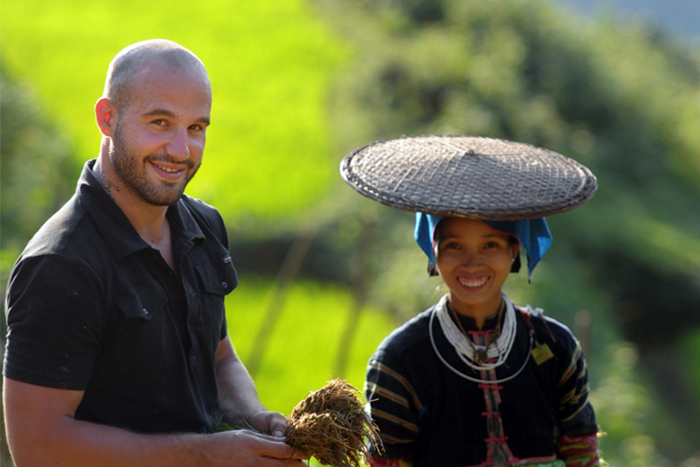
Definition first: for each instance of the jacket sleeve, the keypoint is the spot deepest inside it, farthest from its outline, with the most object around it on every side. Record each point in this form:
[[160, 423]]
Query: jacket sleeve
[[394, 407], [578, 444]]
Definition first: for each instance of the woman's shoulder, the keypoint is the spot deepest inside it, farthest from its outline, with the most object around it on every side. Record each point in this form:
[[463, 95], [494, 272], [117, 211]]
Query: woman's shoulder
[[548, 329], [412, 334]]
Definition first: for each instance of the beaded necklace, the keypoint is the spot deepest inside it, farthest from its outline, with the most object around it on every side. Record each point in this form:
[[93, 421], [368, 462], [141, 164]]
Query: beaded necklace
[[466, 350]]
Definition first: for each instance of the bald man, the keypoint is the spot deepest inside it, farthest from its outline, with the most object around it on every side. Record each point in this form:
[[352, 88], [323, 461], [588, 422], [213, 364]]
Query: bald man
[[117, 350]]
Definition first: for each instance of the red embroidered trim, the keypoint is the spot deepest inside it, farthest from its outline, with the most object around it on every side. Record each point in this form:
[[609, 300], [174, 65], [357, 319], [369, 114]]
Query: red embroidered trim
[[377, 462], [573, 448], [493, 387], [500, 439]]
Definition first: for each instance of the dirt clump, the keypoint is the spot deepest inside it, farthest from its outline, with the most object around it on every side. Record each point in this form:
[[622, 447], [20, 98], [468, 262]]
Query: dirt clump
[[331, 425]]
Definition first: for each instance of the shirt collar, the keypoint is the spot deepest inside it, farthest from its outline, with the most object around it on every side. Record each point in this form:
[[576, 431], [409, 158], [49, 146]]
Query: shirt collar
[[115, 228]]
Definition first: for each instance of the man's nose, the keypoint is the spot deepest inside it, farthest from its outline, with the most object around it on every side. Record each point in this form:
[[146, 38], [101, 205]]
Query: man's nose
[[178, 146]]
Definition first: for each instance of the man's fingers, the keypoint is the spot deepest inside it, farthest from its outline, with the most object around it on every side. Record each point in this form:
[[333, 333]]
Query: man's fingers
[[299, 454]]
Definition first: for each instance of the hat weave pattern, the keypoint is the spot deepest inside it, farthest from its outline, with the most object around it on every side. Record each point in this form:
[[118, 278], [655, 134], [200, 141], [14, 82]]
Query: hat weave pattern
[[468, 176]]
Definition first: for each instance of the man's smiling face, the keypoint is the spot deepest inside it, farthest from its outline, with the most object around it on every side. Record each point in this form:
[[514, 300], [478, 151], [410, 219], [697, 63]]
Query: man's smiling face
[[159, 139]]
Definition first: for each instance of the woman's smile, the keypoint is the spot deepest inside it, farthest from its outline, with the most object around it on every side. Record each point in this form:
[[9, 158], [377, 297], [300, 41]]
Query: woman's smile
[[473, 282], [474, 261]]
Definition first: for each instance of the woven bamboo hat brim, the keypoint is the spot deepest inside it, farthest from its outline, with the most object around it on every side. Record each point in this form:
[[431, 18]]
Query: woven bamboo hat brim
[[467, 176]]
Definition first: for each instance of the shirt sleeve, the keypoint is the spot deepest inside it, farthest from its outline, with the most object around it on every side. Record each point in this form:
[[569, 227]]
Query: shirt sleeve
[[54, 318]]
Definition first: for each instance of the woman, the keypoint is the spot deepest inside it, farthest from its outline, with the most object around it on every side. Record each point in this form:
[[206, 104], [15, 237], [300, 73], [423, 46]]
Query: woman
[[475, 380]]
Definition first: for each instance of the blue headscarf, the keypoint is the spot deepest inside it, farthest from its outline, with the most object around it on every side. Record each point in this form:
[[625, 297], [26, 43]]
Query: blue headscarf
[[533, 234]]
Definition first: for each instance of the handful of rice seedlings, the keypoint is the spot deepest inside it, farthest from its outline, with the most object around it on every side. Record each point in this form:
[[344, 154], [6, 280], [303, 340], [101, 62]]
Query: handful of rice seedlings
[[331, 425]]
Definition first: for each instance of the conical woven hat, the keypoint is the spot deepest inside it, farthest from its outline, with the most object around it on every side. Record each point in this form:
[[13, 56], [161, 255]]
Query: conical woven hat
[[467, 176]]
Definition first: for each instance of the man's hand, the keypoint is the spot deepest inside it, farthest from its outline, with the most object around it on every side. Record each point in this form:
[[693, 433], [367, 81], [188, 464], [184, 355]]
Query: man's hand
[[248, 448], [270, 422], [238, 397]]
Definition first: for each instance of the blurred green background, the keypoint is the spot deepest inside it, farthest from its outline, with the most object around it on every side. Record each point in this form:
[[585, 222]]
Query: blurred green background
[[326, 274]]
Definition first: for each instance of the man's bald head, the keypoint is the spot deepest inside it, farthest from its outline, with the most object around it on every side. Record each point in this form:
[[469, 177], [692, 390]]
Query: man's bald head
[[130, 61]]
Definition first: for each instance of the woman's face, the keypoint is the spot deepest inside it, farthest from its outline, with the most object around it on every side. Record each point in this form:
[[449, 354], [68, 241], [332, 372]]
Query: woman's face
[[473, 260]]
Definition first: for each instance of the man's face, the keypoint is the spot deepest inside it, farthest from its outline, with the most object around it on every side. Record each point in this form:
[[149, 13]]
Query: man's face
[[158, 142]]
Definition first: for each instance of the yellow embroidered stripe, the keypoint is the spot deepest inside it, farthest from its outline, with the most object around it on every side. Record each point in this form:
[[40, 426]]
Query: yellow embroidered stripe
[[387, 394], [388, 371], [394, 419]]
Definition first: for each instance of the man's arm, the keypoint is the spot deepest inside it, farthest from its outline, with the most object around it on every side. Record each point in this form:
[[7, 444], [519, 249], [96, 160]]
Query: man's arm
[[42, 430], [238, 397]]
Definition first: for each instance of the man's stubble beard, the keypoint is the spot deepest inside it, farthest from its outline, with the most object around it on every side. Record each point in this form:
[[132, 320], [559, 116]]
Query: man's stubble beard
[[132, 171]]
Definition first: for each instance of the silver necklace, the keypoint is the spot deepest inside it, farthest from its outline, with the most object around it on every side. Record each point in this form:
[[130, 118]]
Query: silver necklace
[[501, 351]]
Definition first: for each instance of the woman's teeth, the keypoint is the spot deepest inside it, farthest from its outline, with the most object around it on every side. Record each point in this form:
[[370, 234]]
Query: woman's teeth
[[473, 281]]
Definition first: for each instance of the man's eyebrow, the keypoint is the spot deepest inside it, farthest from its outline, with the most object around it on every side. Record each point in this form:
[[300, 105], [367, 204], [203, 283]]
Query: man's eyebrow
[[170, 114], [159, 112]]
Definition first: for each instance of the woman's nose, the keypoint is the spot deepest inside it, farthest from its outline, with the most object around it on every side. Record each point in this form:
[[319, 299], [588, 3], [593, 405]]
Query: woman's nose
[[471, 259]]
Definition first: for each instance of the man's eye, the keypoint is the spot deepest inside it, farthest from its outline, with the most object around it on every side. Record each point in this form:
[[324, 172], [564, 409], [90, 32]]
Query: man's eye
[[159, 122]]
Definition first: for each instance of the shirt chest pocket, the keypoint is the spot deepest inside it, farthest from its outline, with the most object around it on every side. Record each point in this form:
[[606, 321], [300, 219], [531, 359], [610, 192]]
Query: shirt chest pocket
[[216, 279], [140, 301], [142, 335]]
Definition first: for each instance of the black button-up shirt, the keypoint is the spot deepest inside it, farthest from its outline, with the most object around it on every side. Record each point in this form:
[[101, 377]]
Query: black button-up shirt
[[91, 306]]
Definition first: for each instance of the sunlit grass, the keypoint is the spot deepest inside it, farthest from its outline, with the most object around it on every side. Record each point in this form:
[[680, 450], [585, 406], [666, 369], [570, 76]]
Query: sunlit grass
[[305, 343]]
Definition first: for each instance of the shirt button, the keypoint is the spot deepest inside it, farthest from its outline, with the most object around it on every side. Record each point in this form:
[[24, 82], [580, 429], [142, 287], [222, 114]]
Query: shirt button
[[145, 311]]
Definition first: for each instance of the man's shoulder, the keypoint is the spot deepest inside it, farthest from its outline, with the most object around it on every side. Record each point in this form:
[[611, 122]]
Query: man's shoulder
[[66, 248], [67, 231], [202, 211], [206, 216], [200, 206]]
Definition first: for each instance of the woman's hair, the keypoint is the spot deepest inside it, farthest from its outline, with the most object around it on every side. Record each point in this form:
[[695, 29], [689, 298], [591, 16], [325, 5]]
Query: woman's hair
[[512, 239]]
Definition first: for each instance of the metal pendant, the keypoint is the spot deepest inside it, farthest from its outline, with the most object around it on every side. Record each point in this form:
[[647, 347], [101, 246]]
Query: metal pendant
[[481, 355]]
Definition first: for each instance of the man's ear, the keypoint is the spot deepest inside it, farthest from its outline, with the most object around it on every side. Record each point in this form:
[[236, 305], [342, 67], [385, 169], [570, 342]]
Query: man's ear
[[106, 115]]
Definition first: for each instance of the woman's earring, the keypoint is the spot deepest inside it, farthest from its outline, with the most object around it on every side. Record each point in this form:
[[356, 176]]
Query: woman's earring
[[515, 263]]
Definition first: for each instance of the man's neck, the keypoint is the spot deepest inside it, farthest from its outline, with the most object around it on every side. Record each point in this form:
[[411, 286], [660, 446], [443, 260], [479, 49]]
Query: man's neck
[[149, 221]]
